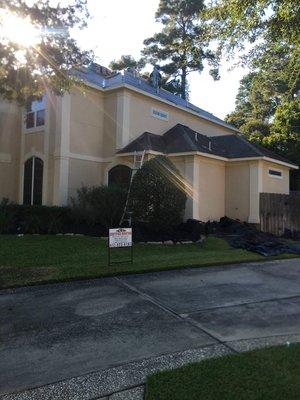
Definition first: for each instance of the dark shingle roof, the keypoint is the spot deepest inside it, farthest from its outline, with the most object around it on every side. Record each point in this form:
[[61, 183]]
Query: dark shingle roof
[[237, 146], [181, 139], [147, 141]]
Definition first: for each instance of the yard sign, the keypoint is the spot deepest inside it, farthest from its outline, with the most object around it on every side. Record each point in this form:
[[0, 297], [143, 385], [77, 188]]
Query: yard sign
[[119, 237]]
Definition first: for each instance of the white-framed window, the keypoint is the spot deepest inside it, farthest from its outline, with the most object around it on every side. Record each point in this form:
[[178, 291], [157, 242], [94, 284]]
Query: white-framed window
[[275, 173], [35, 114], [160, 114]]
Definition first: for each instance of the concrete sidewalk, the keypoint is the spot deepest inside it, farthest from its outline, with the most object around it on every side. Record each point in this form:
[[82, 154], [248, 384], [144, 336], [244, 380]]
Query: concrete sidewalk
[[98, 338]]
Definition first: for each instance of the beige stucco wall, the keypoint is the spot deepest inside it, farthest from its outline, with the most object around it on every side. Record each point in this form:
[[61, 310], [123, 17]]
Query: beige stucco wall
[[141, 119], [86, 122], [211, 199], [273, 184], [34, 142], [108, 144], [245, 181], [237, 188], [10, 135], [205, 186], [84, 173]]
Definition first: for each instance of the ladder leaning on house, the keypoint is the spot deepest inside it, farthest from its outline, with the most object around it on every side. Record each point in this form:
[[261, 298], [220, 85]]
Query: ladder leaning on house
[[138, 161]]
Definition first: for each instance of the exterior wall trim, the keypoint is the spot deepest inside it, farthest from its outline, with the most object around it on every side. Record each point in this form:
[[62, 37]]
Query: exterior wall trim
[[123, 111], [269, 159], [85, 157], [256, 187], [192, 153], [5, 158], [114, 163], [152, 152], [198, 153], [61, 153]]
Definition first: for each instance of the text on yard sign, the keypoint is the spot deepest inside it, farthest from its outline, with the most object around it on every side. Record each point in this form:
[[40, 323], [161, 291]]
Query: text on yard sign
[[120, 237]]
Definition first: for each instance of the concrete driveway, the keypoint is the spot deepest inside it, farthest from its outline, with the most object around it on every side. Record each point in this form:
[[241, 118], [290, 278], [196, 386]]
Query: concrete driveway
[[54, 333]]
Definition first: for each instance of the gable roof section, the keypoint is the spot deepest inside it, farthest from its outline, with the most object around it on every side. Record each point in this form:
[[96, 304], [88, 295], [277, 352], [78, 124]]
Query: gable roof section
[[182, 139], [104, 82]]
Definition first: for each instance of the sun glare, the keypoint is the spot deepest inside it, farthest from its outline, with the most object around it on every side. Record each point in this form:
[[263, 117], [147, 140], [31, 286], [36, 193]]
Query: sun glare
[[18, 30]]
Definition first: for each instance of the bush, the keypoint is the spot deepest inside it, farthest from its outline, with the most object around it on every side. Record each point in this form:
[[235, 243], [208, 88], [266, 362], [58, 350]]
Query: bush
[[16, 218], [102, 205], [93, 211], [157, 196]]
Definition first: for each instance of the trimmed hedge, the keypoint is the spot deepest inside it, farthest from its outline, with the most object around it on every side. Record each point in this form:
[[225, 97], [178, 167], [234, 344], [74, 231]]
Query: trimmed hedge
[[99, 205], [16, 218], [92, 212], [20, 219]]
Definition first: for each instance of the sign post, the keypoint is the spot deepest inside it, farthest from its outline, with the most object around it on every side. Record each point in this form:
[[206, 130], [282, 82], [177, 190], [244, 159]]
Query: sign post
[[120, 238]]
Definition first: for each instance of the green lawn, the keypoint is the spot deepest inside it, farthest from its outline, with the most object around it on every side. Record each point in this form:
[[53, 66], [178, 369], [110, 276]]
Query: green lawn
[[34, 259], [268, 374]]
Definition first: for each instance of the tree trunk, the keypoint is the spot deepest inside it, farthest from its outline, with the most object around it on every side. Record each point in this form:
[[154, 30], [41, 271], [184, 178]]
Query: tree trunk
[[183, 82]]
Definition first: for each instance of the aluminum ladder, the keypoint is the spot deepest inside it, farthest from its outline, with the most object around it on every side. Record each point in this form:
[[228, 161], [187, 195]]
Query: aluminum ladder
[[138, 161]]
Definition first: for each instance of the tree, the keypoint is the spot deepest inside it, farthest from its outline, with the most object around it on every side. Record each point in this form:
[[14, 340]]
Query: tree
[[158, 195], [182, 44], [125, 62], [36, 50], [284, 136], [267, 105], [128, 62], [266, 21], [263, 94]]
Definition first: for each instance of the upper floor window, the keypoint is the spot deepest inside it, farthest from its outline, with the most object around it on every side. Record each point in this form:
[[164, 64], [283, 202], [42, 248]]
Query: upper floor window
[[276, 173], [35, 113], [160, 114]]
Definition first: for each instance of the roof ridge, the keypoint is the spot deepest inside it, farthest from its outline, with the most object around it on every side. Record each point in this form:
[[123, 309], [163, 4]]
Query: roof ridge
[[148, 140], [188, 137]]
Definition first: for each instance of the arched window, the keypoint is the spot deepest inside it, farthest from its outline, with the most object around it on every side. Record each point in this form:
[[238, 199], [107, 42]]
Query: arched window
[[33, 181], [119, 175]]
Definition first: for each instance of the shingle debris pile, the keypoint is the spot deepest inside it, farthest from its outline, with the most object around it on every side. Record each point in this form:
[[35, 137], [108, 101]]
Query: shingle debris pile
[[244, 236]]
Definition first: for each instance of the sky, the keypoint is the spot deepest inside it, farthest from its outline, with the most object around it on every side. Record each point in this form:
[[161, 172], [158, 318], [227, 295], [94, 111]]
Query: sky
[[119, 27]]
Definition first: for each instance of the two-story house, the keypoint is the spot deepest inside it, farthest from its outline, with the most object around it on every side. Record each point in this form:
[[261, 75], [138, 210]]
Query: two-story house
[[89, 137]]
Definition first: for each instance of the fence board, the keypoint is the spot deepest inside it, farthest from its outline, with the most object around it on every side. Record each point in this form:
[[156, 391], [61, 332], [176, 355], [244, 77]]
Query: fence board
[[279, 212]]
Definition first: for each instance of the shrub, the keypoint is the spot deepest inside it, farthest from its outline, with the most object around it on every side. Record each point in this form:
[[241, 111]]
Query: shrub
[[7, 216], [157, 196], [101, 205], [16, 218]]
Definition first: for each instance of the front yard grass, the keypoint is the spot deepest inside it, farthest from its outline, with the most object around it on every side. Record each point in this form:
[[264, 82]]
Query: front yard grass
[[268, 374], [33, 259]]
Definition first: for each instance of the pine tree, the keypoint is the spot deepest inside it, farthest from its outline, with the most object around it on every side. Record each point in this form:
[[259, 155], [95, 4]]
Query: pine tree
[[182, 46]]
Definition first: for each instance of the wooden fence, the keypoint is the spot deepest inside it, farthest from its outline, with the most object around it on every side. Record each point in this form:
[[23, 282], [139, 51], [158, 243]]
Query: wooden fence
[[279, 212]]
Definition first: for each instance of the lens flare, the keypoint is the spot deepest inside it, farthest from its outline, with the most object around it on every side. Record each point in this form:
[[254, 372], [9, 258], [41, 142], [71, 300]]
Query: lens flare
[[18, 30]]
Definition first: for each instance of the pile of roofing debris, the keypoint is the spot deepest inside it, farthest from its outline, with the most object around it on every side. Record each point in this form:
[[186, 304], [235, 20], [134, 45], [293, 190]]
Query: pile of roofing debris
[[243, 236], [238, 235]]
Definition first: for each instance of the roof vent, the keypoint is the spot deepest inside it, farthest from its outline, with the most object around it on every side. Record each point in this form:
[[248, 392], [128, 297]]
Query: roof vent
[[209, 145], [196, 136]]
